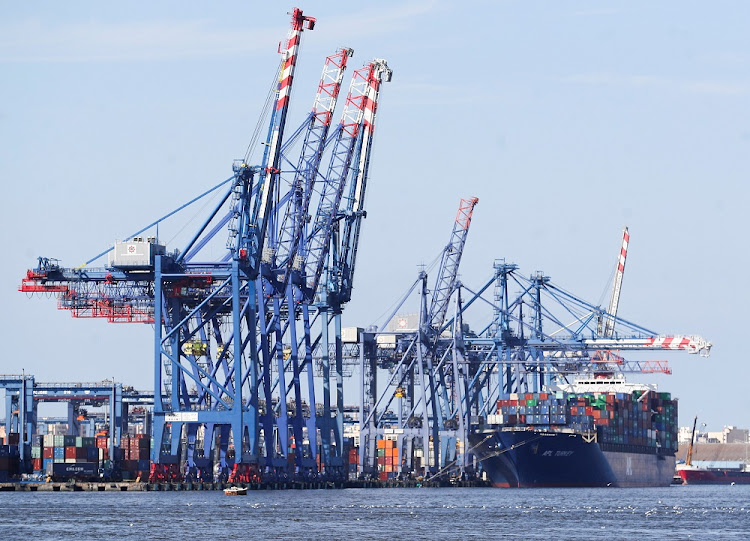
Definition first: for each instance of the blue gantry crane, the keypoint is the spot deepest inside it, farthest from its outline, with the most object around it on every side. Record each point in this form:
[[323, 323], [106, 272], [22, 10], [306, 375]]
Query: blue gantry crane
[[422, 375], [23, 394], [226, 330], [442, 378]]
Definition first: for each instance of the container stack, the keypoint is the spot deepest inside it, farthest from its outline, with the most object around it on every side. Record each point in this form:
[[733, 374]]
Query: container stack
[[9, 457], [136, 451], [353, 460], [641, 418], [49, 452], [388, 459]]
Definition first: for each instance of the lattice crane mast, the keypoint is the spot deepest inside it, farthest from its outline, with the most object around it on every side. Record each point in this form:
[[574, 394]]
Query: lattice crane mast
[[354, 135], [606, 322], [421, 377], [377, 73], [449, 263], [287, 257], [252, 230]]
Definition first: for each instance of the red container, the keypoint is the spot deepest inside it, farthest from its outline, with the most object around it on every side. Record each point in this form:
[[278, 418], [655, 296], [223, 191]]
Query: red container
[[36, 464], [102, 442], [140, 443], [48, 452], [76, 452]]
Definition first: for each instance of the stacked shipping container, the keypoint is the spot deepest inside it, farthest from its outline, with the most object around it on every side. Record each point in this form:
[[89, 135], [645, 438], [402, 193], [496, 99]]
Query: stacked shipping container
[[388, 459], [641, 418], [9, 457], [136, 455]]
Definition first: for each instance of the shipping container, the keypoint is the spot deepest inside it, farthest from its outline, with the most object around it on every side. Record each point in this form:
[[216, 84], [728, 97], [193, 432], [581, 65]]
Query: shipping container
[[83, 470]]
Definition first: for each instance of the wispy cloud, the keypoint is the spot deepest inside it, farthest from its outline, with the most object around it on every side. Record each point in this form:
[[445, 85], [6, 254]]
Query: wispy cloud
[[378, 22], [37, 41], [596, 12], [649, 81]]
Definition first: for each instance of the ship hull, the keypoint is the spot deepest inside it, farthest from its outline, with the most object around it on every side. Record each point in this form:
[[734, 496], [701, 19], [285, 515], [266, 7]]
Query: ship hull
[[539, 458], [713, 477]]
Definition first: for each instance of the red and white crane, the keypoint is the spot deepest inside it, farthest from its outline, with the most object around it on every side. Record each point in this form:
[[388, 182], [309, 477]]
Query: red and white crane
[[606, 324]]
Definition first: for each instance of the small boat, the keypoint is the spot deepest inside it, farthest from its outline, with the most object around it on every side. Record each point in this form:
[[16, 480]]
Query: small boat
[[235, 491], [725, 473]]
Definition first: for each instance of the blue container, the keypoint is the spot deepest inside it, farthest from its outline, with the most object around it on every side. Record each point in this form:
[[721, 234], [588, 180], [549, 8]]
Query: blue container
[[59, 452], [92, 454], [144, 465]]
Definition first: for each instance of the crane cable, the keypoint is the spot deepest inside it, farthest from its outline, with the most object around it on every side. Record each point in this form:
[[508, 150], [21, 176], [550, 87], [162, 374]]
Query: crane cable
[[491, 455], [270, 99]]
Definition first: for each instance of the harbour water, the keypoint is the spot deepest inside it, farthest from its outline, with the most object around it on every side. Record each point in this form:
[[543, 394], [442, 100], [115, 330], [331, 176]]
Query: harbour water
[[676, 512]]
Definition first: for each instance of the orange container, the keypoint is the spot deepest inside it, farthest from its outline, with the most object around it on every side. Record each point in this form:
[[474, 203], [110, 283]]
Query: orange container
[[381, 444]]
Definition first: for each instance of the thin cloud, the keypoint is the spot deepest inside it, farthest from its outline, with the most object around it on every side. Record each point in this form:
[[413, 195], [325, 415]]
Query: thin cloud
[[354, 28], [596, 12], [36, 41], [648, 81]]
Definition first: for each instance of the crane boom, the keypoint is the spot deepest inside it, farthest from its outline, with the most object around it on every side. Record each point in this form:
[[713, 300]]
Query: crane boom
[[378, 73], [254, 231], [357, 117], [691, 344], [309, 161], [606, 323], [451, 259], [689, 457]]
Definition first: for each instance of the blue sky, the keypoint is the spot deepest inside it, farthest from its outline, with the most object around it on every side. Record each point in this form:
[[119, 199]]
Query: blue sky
[[569, 120]]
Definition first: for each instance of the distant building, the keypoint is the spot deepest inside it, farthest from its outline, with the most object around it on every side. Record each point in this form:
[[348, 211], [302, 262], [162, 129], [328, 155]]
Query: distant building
[[683, 434], [712, 437], [729, 434], [732, 434]]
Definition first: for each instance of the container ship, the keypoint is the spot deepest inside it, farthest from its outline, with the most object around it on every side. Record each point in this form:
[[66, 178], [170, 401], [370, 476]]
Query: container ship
[[593, 433]]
